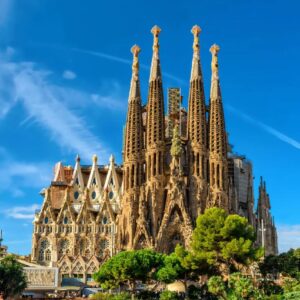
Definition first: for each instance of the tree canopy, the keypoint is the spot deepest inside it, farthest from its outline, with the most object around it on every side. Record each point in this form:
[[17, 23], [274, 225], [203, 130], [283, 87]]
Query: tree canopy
[[12, 277], [287, 263], [128, 267], [224, 241]]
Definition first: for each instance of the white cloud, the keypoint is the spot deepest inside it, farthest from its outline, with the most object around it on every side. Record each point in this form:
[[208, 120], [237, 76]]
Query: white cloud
[[69, 75], [288, 237], [16, 175], [48, 105], [127, 62], [22, 212], [274, 132]]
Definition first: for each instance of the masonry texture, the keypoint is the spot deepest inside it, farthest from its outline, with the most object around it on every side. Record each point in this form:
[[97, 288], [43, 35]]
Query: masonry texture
[[175, 165]]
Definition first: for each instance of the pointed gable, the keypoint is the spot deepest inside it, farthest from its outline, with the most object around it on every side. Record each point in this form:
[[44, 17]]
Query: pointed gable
[[66, 214], [59, 174], [94, 183], [77, 181]]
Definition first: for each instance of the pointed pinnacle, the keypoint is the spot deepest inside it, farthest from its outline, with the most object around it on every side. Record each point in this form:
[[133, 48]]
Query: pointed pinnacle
[[196, 31], [135, 50], [214, 49], [95, 159], [155, 31], [78, 158]]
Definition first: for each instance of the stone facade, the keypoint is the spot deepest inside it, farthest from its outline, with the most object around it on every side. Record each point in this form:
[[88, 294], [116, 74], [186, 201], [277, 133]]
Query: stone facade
[[174, 167], [76, 227]]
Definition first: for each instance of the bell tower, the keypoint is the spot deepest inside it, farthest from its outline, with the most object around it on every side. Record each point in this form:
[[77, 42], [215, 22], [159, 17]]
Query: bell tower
[[218, 168], [197, 133]]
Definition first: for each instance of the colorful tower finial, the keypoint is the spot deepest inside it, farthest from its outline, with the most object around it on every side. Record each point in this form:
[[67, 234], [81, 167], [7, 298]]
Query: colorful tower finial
[[196, 31], [155, 31], [214, 49], [135, 50]]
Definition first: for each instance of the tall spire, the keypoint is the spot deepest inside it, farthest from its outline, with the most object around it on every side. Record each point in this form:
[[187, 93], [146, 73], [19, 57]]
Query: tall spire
[[196, 111], [155, 137], [155, 72], [155, 107], [217, 139], [217, 133], [134, 135], [134, 93], [196, 68], [133, 158], [197, 131]]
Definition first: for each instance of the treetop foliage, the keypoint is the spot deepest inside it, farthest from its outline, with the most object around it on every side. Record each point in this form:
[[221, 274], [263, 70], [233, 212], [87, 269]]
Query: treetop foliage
[[12, 277]]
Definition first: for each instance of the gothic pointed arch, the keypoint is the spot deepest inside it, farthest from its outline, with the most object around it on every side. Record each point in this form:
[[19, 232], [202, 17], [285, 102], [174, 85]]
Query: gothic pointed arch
[[94, 182], [77, 182]]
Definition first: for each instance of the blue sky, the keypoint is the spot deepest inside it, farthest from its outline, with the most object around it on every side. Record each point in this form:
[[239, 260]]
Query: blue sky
[[64, 81]]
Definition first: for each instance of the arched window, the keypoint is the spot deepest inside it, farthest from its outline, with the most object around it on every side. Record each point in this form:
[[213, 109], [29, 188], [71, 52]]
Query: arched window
[[64, 247], [48, 255], [103, 246], [44, 246]]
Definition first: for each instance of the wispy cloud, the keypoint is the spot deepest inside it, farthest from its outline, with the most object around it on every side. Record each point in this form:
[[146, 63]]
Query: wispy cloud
[[69, 75], [126, 61], [288, 237], [16, 175], [22, 212], [47, 105], [274, 132]]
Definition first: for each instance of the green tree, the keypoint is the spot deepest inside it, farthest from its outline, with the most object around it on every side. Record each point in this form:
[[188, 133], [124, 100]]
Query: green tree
[[237, 287], [12, 277], [287, 263], [174, 266], [224, 241], [217, 287], [128, 267]]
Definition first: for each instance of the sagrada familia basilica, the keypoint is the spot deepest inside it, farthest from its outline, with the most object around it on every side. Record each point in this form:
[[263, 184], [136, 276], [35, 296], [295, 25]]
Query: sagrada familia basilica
[[175, 165]]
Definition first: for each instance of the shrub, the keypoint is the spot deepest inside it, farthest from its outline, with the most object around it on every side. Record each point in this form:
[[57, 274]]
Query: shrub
[[168, 295], [107, 296]]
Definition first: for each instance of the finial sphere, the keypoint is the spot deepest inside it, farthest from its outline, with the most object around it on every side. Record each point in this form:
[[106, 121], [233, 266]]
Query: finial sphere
[[155, 30], [196, 30], [214, 49], [135, 50]]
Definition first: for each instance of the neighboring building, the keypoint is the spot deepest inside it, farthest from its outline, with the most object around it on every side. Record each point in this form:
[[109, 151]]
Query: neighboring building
[[266, 229], [240, 172], [174, 167], [76, 226]]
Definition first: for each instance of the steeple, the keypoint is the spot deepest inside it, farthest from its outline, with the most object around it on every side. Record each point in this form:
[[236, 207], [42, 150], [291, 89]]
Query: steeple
[[217, 138], [197, 130], [155, 139], [134, 133], [133, 159], [155, 72], [217, 133], [155, 107], [196, 111]]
